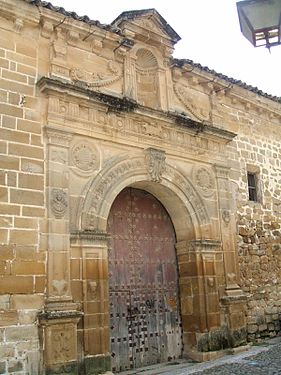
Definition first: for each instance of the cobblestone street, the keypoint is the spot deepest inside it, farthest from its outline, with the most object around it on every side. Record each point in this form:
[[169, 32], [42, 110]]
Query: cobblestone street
[[261, 359]]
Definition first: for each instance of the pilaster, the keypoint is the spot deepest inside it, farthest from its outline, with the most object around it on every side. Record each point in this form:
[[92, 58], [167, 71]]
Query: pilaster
[[228, 231], [94, 332], [234, 300], [58, 321], [200, 262]]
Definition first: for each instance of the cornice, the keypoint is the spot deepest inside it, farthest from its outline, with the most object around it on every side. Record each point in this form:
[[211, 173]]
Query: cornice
[[114, 103], [188, 66], [9, 10], [122, 104]]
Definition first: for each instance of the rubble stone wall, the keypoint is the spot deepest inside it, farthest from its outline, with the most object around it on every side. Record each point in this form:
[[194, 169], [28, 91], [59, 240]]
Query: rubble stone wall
[[256, 149]]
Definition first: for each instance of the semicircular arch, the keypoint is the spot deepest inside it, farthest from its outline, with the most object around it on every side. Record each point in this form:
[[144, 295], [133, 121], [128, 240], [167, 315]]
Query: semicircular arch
[[174, 191]]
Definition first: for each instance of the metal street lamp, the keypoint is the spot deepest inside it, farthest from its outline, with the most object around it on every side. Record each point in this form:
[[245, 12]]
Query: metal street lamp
[[260, 21]]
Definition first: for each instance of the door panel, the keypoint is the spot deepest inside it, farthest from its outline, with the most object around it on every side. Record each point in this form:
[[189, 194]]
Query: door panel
[[143, 282]]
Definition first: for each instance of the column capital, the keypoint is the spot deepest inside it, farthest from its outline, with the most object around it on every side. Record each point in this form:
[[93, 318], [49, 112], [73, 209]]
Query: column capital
[[88, 237], [222, 171]]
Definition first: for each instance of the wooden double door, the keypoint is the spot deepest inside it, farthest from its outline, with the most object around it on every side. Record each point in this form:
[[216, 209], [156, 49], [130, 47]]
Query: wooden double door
[[143, 282]]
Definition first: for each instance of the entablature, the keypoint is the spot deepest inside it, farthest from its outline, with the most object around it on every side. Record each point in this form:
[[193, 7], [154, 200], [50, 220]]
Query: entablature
[[85, 110]]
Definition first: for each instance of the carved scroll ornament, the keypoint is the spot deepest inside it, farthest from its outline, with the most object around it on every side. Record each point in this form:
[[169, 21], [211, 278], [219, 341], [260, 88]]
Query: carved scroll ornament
[[97, 79], [183, 95]]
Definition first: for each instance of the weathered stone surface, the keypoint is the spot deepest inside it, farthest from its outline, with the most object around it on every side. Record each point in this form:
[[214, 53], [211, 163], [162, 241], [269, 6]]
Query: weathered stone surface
[[105, 116]]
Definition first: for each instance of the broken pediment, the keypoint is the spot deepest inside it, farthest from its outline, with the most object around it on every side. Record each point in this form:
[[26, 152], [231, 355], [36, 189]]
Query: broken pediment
[[146, 25]]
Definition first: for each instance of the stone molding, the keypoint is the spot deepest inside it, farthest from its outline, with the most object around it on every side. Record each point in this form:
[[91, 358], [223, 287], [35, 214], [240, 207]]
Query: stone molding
[[123, 171], [199, 246], [88, 237], [123, 104]]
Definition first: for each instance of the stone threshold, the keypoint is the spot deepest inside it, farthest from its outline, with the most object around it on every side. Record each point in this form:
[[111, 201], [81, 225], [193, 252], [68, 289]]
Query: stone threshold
[[179, 364], [159, 368]]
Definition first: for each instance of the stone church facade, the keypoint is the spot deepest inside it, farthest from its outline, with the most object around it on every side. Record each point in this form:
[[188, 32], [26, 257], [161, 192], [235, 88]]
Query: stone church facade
[[140, 205]]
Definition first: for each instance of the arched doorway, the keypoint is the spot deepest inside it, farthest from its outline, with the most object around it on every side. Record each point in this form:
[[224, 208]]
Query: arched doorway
[[143, 282]]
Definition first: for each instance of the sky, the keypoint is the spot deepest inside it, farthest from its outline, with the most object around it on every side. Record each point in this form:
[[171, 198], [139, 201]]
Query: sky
[[210, 33]]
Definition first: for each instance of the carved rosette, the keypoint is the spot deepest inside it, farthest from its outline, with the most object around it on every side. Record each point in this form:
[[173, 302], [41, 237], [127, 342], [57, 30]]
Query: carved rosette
[[97, 79], [156, 163], [84, 157], [204, 181], [58, 202]]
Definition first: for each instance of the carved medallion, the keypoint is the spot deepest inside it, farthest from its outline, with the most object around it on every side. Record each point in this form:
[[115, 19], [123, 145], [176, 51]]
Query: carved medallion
[[205, 181], [58, 202], [84, 157], [156, 165]]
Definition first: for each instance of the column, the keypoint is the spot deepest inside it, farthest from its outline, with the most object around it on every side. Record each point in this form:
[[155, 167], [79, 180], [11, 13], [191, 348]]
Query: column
[[200, 270], [60, 317], [92, 248], [234, 300]]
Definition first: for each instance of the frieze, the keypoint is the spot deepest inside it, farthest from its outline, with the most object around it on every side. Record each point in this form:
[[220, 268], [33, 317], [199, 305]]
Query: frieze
[[96, 79], [155, 130], [58, 202]]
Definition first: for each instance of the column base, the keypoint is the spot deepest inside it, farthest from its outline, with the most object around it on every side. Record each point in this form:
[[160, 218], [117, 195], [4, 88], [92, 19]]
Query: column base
[[235, 314], [96, 365], [69, 369], [59, 341]]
